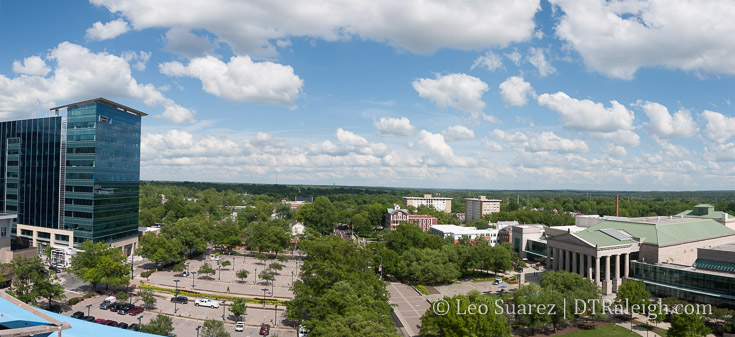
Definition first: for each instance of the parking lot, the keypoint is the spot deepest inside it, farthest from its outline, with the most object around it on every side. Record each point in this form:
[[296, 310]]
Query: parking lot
[[188, 316]]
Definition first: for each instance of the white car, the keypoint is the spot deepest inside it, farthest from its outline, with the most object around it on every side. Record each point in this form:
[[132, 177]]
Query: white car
[[240, 326], [303, 332], [207, 303]]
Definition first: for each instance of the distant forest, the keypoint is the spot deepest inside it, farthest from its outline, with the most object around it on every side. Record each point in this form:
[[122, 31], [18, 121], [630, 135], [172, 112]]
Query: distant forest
[[527, 206]]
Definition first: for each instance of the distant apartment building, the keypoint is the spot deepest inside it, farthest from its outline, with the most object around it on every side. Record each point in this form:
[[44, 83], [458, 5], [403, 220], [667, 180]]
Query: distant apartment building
[[74, 177], [440, 204], [475, 208], [396, 216]]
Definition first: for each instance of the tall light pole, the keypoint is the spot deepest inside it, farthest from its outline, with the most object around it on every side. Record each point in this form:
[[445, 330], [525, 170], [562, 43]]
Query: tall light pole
[[139, 318], [88, 306], [256, 276], [192, 278], [275, 314], [223, 310], [292, 278], [187, 267], [199, 327], [219, 277], [264, 290], [177, 287]]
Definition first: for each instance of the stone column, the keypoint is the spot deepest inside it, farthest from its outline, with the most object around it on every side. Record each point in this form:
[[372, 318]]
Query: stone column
[[626, 265], [555, 262], [548, 257], [607, 279], [607, 268], [589, 268], [574, 262], [569, 261], [597, 270], [617, 266]]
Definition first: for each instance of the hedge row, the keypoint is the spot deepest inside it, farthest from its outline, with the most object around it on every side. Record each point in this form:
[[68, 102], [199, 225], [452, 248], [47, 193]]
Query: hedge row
[[212, 296], [147, 273], [422, 289]]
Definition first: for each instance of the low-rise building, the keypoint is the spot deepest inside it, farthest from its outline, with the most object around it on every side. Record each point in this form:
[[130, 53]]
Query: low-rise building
[[459, 232], [476, 208], [440, 204], [396, 216]]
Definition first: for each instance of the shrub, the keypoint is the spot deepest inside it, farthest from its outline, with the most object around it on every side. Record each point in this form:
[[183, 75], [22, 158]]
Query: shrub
[[147, 273], [75, 300], [88, 295], [422, 289]]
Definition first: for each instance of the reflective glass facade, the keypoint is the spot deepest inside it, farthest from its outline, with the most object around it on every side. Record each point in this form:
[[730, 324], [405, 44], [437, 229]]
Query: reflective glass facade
[[102, 173], [686, 284], [30, 154], [80, 172]]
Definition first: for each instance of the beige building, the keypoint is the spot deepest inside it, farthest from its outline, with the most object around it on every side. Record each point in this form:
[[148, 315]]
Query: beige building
[[440, 204], [475, 208], [607, 251]]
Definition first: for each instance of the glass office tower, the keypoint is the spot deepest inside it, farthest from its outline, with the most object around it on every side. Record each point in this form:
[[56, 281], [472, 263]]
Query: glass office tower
[[77, 175]]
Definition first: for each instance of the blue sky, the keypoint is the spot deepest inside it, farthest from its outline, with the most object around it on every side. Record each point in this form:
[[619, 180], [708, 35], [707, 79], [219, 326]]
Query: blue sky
[[562, 94]]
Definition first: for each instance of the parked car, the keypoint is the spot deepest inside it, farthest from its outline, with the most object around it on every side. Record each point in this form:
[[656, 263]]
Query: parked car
[[105, 304], [115, 306], [78, 315], [303, 332], [185, 273], [240, 326], [179, 299], [134, 327], [124, 309], [265, 330], [123, 325], [103, 321], [207, 303], [135, 310], [89, 319], [111, 323], [498, 281]]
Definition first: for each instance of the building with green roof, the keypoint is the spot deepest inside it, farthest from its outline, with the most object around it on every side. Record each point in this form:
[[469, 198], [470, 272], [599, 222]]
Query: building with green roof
[[616, 249]]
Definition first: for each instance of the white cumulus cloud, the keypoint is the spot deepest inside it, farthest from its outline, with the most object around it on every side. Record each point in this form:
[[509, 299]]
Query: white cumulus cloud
[[537, 57], [458, 132], [351, 139], [662, 124], [421, 26], [616, 38], [587, 115], [388, 126], [458, 91], [33, 65], [241, 79], [105, 31], [489, 61], [548, 141], [80, 74], [719, 127], [514, 91]]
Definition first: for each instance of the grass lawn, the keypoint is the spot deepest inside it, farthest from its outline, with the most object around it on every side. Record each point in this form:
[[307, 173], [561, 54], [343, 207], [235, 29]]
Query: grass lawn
[[609, 330]]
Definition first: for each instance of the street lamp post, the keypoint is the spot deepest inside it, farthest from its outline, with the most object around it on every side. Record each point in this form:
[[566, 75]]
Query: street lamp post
[[292, 278], [256, 276], [175, 308], [187, 267], [264, 290], [139, 318], [223, 310], [199, 327], [275, 313], [219, 277], [88, 306], [192, 278], [177, 287]]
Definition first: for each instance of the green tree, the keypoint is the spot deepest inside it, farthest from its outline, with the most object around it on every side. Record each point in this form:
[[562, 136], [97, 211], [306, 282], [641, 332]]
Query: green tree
[[407, 236], [160, 325], [206, 269], [30, 281], [123, 296], [242, 274], [634, 292], [262, 257], [688, 325], [238, 308], [427, 266], [320, 216], [50, 289], [457, 324], [267, 275], [99, 263], [179, 267], [275, 266], [146, 295], [214, 328], [225, 263], [361, 223]]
